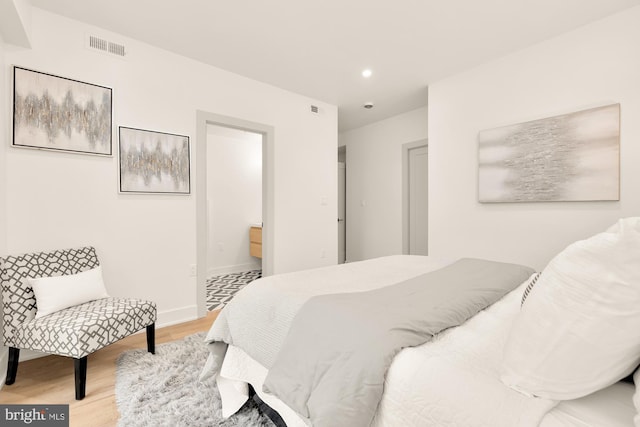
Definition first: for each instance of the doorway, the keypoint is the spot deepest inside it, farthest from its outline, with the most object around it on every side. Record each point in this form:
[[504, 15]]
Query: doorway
[[234, 212], [234, 199], [415, 167], [203, 209]]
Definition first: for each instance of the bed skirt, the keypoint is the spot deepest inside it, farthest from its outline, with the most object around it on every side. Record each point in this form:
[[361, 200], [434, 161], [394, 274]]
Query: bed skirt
[[239, 371]]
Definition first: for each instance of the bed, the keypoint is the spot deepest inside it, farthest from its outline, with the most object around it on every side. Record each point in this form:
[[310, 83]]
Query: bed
[[454, 379]]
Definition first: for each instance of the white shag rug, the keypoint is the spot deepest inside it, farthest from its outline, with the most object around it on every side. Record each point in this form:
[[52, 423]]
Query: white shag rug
[[163, 389]]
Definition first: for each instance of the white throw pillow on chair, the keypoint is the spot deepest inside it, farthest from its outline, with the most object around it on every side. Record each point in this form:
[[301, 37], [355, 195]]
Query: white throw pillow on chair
[[59, 292]]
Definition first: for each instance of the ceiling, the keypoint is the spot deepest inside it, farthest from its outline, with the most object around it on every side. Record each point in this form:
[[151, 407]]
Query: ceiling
[[320, 48]]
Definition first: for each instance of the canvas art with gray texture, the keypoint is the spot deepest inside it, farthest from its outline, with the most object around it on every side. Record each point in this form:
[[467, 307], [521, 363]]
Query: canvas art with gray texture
[[572, 157], [154, 162], [56, 113]]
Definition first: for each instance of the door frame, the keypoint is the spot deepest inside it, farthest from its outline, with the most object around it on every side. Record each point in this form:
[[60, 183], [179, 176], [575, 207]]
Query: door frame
[[204, 118], [406, 148], [342, 165]]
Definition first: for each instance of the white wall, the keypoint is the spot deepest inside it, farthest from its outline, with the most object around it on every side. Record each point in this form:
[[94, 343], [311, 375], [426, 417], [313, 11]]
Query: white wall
[[374, 183], [5, 103], [234, 187], [4, 135], [595, 65], [147, 242]]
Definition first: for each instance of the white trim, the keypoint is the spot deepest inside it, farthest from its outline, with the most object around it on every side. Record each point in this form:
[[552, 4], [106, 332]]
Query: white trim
[[177, 315], [30, 355], [4, 358]]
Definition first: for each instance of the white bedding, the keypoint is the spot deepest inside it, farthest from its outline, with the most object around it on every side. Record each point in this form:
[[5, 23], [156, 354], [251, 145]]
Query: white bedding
[[610, 407], [275, 300], [463, 363], [452, 381]]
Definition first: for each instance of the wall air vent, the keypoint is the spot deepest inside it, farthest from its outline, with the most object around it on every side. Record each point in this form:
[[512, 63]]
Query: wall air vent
[[105, 46]]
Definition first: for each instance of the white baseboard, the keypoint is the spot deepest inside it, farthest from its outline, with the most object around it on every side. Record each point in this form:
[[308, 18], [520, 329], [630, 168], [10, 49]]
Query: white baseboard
[[4, 356], [165, 318], [177, 315], [238, 268], [31, 354]]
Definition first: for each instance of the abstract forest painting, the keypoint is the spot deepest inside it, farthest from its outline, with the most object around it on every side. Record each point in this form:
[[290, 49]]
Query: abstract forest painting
[[56, 113], [572, 157], [154, 162]]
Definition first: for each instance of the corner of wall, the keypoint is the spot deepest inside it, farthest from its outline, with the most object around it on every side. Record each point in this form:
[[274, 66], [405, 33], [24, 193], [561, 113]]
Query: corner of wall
[[15, 22]]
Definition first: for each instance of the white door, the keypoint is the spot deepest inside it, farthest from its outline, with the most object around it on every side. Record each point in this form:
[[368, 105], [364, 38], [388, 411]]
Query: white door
[[418, 191], [342, 198]]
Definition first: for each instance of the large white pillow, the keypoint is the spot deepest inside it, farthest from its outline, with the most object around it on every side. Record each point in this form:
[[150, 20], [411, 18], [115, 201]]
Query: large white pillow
[[578, 330], [60, 292]]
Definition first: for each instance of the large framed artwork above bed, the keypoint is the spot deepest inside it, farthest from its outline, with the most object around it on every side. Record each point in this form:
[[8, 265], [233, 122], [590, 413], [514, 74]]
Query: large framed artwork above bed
[[571, 157], [418, 341]]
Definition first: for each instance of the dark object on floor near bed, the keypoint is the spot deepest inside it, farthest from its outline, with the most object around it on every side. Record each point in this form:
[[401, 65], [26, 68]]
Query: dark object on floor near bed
[[271, 413], [75, 331]]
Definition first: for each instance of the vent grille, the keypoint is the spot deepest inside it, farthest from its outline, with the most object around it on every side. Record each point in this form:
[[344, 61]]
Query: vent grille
[[97, 43], [106, 46], [314, 109], [116, 49]]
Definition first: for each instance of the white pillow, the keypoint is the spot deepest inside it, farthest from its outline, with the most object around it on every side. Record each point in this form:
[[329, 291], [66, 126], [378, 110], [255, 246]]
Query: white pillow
[[60, 292], [636, 398], [577, 331]]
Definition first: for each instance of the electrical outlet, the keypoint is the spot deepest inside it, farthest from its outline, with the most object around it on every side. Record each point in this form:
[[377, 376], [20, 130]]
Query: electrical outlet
[[193, 270]]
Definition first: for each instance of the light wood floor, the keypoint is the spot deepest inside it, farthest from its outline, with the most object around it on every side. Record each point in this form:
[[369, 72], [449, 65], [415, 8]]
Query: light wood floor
[[50, 379]]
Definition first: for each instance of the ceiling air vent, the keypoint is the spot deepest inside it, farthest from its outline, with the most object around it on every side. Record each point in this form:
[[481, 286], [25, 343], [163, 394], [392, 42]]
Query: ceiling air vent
[[106, 46], [314, 109]]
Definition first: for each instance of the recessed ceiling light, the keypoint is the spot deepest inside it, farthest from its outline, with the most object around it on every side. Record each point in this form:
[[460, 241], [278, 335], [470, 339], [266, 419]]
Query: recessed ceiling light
[[367, 73], [368, 105]]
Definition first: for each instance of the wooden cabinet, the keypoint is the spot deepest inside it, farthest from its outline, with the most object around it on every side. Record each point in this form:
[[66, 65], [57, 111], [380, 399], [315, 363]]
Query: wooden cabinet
[[255, 242]]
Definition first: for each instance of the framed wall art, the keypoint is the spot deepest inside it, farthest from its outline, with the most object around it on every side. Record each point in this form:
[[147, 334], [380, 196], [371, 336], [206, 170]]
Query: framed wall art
[[153, 162], [57, 113], [571, 157]]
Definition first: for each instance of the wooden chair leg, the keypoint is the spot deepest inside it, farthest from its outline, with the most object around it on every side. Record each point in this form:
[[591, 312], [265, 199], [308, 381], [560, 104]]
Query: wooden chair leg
[[12, 367], [80, 367], [151, 338]]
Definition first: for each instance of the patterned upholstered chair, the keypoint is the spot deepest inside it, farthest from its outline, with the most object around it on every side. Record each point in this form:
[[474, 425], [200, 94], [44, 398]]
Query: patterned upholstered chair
[[76, 331]]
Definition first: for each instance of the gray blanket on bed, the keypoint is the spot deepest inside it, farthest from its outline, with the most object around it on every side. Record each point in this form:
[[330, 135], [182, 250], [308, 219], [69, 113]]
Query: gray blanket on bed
[[332, 366]]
